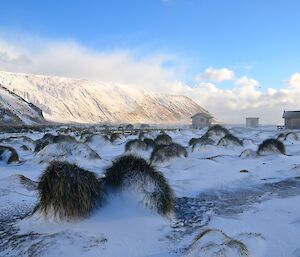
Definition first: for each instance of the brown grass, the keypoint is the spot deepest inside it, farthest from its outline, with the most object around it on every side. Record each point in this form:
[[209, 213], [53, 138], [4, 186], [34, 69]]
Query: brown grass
[[133, 173], [68, 191]]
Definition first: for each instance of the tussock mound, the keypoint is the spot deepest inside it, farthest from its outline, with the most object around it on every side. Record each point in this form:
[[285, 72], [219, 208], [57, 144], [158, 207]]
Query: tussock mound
[[218, 130], [163, 139], [193, 141], [136, 175], [129, 127], [85, 134], [149, 142], [66, 151], [281, 136], [67, 191], [230, 139], [248, 153], [20, 139], [204, 140], [18, 142], [135, 145], [144, 126], [28, 183], [50, 139], [8, 154], [25, 148], [97, 139], [270, 146], [214, 242], [114, 138], [163, 153], [291, 136], [142, 135]]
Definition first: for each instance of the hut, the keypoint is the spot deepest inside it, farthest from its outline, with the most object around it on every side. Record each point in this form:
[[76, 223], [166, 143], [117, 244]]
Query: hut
[[201, 120], [252, 122], [291, 119]]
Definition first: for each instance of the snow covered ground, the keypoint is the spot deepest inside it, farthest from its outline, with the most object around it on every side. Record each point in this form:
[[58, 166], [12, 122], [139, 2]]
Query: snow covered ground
[[255, 212]]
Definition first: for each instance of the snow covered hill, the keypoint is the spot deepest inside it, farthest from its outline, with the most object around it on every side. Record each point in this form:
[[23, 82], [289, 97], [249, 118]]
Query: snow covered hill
[[14, 110], [86, 101]]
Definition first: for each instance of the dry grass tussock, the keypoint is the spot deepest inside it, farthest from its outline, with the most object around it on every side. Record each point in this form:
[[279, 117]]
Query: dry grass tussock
[[162, 153], [135, 174], [68, 191], [271, 145], [13, 155]]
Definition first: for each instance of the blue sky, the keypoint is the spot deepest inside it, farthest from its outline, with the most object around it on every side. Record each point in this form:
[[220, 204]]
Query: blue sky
[[257, 38]]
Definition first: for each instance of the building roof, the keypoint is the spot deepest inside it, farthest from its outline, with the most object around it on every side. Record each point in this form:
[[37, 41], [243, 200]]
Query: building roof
[[203, 114], [256, 118], [291, 114]]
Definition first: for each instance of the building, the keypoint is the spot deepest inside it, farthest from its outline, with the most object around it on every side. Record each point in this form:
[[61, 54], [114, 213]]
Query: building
[[252, 122], [201, 120], [291, 119]]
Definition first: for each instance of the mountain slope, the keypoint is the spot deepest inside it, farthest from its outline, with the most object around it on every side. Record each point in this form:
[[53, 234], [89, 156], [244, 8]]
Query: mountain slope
[[14, 110], [79, 100]]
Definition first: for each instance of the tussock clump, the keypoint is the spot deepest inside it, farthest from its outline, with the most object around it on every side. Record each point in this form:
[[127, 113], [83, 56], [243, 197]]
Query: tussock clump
[[144, 126], [85, 134], [248, 153], [8, 154], [291, 136], [45, 140], [230, 139], [135, 174], [114, 137], [129, 127], [214, 242], [288, 136], [66, 151], [162, 153], [281, 136], [135, 144], [149, 142], [67, 191], [16, 138], [218, 130], [204, 140], [63, 138], [50, 139], [28, 183], [193, 141], [141, 135], [163, 139], [24, 148], [96, 138], [271, 146]]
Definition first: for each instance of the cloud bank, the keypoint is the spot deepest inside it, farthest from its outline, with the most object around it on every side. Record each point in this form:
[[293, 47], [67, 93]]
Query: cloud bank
[[216, 75], [231, 105]]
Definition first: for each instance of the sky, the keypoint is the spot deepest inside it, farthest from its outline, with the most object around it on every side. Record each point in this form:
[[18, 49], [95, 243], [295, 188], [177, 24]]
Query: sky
[[236, 58]]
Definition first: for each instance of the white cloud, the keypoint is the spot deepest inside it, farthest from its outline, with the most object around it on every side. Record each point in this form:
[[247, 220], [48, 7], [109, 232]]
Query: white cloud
[[294, 81], [244, 99], [216, 75], [66, 58]]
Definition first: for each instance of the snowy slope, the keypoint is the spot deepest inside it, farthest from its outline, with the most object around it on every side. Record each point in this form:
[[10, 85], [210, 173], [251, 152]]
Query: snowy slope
[[78, 100], [16, 111], [259, 208]]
